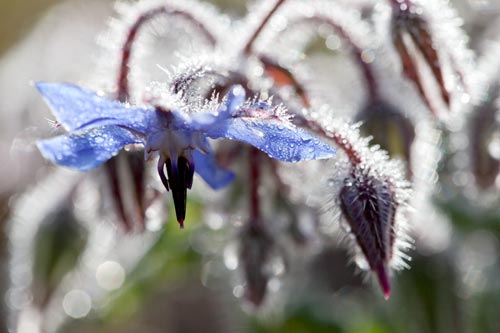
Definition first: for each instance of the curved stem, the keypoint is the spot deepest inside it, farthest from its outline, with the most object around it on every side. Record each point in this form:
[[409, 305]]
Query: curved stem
[[367, 70], [340, 140], [123, 83], [248, 47]]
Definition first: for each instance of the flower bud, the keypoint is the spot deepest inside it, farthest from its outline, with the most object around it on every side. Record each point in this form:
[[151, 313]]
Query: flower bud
[[255, 252], [59, 242], [369, 206], [485, 129]]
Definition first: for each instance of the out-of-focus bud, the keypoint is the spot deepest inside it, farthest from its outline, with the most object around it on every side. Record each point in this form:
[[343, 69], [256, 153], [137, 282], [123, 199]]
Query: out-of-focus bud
[[256, 250], [369, 205], [390, 129], [485, 143], [126, 174], [59, 242], [410, 26]]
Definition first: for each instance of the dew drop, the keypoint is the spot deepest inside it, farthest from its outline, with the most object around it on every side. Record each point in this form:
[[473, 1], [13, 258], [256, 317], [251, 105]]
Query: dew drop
[[77, 304], [306, 139]]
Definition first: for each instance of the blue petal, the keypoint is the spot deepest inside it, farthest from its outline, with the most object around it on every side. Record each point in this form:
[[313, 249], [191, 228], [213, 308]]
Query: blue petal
[[79, 109], [212, 174], [87, 150], [278, 139]]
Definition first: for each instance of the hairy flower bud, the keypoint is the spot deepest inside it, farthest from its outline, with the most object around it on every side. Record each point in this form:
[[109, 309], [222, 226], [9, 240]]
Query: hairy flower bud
[[255, 252], [415, 34], [59, 242], [484, 140], [369, 206]]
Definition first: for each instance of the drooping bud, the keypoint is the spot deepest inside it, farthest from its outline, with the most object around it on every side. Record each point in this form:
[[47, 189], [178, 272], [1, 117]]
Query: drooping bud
[[255, 252], [485, 141], [368, 204], [133, 167], [411, 30], [59, 242]]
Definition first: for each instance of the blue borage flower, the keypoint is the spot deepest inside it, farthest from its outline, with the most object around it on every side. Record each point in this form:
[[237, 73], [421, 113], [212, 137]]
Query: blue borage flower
[[99, 128]]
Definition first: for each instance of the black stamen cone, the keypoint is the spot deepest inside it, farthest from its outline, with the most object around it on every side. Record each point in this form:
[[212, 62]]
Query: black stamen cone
[[180, 178], [369, 206]]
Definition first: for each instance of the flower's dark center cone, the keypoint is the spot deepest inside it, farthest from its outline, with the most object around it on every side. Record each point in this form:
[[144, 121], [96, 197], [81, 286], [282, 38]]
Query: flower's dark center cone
[[368, 204], [180, 179]]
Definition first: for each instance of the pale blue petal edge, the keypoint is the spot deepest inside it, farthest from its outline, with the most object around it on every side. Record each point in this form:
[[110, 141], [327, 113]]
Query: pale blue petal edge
[[212, 174], [85, 151], [80, 109], [278, 139]]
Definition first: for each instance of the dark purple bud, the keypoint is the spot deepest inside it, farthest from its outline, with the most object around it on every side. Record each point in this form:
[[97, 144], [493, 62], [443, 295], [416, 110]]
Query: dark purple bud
[[255, 252], [133, 163], [368, 204], [407, 19], [58, 245], [389, 128], [180, 179], [483, 127]]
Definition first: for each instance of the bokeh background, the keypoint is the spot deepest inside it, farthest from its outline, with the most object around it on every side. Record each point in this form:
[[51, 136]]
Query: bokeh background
[[452, 286]]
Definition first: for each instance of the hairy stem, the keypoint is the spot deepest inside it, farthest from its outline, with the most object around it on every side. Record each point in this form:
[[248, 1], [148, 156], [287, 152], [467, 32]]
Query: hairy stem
[[340, 140], [254, 181], [249, 45], [366, 69], [123, 82]]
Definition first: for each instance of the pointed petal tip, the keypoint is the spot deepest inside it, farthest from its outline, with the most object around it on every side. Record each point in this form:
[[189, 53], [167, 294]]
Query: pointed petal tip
[[42, 86], [384, 280], [181, 223]]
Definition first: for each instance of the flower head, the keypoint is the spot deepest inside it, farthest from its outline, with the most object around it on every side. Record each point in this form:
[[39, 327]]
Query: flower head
[[99, 128]]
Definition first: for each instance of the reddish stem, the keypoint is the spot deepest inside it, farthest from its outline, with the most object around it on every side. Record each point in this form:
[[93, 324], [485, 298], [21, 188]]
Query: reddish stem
[[248, 47], [254, 175], [123, 82], [341, 140], [398, 3], [367, 70]]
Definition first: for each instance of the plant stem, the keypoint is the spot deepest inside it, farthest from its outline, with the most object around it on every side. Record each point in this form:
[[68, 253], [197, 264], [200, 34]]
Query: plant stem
[[254, 181], [341, 140], [123, 80], [367, 70], [398, 3], [248, 47]]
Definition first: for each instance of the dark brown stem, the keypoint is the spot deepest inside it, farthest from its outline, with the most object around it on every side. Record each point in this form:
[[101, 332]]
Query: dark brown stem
[[254, 181], [342, 141], [116, 193], [248, 47], [123, 82], [398, 3], [367, 70]]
